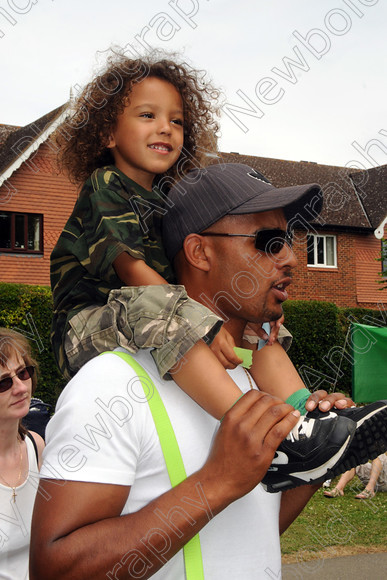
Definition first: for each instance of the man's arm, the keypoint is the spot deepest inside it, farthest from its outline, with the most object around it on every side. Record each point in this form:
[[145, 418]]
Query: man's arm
[[79, 533], [293, 502]]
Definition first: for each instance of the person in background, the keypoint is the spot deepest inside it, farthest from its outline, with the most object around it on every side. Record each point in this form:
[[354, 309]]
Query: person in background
[[373, 476], [20, 454]]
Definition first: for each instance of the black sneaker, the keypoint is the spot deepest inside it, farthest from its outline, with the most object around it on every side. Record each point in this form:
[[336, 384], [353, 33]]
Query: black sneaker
[[370, 438], [313, 448]]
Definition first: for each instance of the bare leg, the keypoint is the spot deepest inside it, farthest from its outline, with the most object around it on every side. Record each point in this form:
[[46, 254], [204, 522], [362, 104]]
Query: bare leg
[[274, 372], [205, 380], [340, 485], [201, 376], [345, 479], [374, 476]]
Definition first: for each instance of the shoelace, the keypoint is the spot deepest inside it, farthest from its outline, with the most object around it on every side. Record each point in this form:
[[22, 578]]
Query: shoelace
[[304, 427]]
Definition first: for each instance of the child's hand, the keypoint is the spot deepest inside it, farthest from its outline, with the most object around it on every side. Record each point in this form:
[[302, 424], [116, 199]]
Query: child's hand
[[223, 348], [275, 326], [257, 330]]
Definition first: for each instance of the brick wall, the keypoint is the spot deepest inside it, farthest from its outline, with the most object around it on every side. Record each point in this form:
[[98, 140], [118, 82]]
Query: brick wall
[[39, 189], [352, 283], [367, 271]]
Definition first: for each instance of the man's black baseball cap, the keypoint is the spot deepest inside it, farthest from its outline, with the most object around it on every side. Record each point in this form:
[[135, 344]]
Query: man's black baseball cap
[[206, 195]]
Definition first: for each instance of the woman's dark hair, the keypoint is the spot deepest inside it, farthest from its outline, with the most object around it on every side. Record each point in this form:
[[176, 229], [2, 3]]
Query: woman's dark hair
[[14, 343], [83, 137]]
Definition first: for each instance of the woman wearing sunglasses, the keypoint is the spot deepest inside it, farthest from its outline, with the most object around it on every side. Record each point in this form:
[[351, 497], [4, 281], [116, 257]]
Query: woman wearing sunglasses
[[20, 453]]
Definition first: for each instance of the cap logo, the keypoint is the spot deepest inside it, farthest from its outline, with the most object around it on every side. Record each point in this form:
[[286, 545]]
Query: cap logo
[[259, 177]]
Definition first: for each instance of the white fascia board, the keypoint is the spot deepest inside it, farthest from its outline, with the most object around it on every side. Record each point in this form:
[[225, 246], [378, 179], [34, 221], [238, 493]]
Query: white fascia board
[[379, 232]]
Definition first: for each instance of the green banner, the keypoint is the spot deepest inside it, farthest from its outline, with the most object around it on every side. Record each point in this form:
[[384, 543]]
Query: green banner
[[369, 370]]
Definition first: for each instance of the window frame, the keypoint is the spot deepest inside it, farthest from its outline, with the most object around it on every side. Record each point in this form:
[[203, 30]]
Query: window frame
[[26, 250], [315, 251]]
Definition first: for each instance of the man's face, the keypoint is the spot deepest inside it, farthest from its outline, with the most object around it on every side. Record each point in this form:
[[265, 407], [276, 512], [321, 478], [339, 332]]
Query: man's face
[[247, 283]]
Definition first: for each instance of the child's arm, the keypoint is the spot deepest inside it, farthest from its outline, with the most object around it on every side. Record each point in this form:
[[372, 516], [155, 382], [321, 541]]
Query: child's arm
[[200, 374]]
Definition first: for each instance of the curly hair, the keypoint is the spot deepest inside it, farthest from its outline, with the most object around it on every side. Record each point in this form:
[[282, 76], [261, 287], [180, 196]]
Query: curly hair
[[13, 343], [83, 137]]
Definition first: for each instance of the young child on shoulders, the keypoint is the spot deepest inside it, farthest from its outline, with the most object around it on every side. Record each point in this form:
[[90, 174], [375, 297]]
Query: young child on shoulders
[[133, 131]]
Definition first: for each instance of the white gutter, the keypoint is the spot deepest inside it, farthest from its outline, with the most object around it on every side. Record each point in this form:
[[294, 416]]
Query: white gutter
[[379, 232]]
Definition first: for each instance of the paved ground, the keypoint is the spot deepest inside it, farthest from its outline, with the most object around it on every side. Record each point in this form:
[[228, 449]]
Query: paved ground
[[360, 567]]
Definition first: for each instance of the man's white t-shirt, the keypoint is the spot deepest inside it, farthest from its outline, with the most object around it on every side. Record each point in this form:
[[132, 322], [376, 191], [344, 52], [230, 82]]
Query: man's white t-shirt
[[103, 431]]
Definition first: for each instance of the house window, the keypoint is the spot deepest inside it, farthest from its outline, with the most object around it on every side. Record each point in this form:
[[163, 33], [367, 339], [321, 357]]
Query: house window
[[321, 251], [21, 232]]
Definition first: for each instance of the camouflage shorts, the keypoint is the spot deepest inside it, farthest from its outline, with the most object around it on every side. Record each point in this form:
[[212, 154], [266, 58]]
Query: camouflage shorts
[[160, 317]]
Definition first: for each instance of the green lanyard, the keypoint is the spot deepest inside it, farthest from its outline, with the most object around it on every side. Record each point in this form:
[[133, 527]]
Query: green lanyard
[[175, 466]]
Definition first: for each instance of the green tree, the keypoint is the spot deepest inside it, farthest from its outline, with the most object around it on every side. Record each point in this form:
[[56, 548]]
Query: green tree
[[383, 260]]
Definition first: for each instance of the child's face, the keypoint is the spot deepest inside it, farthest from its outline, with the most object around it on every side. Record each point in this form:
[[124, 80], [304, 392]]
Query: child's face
[[148, 135]]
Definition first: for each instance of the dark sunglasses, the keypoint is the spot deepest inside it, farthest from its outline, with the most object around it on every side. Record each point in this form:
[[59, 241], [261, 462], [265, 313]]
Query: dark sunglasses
[[270, 241], [23, 375]]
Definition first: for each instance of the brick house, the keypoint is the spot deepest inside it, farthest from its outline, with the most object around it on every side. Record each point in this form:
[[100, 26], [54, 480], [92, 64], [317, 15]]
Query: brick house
[[337, 258], [35, 201]]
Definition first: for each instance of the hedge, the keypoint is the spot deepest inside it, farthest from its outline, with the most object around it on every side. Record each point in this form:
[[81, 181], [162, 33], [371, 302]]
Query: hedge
[[319, 350]]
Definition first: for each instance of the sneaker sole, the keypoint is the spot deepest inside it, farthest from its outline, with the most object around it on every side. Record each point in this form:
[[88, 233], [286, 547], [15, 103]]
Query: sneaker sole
[[274, 482], [370, 440]]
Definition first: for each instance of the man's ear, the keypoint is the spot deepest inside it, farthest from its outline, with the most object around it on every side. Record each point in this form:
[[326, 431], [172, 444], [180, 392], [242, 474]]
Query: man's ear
[[195, 249]]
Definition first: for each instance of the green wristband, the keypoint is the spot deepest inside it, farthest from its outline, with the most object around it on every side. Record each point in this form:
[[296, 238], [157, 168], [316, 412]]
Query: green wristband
[[298, 399]]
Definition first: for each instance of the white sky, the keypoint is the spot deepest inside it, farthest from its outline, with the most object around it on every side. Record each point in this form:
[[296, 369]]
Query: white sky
[[339, 98]]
